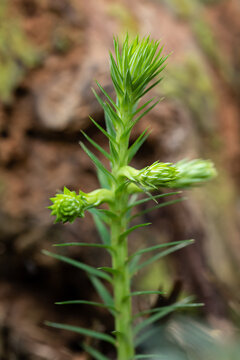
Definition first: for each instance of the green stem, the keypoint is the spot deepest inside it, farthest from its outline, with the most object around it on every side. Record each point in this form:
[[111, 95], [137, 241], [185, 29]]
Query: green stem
[[121, 283], [123, 328]]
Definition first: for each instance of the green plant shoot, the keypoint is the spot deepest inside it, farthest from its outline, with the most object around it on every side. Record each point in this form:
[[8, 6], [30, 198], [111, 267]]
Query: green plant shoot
[[135, 70]]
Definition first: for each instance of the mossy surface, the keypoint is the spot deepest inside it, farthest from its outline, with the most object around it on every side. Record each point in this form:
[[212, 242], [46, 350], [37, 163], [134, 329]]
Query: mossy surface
[[210, 2], [206, 40], [16, 53], [183, 8], [188, 8], [128, 21], [190, 83], [192, 11]]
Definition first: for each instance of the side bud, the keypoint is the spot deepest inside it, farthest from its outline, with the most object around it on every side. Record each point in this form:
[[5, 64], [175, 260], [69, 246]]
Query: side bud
[[193, 172], [67, 206], [151, 177], [157, 175]]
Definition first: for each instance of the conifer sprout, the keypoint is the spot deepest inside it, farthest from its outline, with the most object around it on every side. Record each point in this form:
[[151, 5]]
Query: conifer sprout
[[135, 70]]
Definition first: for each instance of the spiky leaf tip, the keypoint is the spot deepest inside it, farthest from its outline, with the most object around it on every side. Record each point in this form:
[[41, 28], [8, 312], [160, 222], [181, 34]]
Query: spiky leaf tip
[[135, 66]]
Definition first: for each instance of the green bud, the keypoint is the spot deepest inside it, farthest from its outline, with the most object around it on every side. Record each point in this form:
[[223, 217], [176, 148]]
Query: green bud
[[152, 177], [157, 175], [68, 206], [193, 172]]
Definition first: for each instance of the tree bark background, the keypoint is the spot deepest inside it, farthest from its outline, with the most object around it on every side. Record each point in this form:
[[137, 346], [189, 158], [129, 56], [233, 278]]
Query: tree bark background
[[42, 111]]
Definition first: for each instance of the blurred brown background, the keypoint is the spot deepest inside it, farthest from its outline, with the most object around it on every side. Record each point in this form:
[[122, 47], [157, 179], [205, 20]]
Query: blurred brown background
[[50, 53]]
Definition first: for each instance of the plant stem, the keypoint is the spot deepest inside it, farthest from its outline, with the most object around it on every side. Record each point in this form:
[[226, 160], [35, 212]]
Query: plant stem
[[123, 328], [121, 283]]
